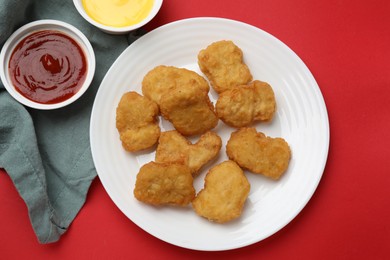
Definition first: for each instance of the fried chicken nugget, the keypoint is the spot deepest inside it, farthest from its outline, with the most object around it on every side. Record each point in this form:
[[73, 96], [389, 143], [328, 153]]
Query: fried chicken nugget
[[235, 107], [222, 63], [164, 184], [258, 153], [162, 79], [242, 105], [265, 102], [173, 147], [189, 110], [136, 121], [224, 194]]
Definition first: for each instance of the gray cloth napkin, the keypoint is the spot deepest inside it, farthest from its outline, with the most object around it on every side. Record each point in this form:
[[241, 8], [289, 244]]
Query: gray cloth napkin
[[47, 153]]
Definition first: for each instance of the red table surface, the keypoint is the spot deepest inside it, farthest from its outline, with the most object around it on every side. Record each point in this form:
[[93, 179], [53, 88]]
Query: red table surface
[[346, 45]]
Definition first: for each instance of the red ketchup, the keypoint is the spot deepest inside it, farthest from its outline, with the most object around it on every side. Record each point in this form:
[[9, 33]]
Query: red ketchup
[[48, 67]]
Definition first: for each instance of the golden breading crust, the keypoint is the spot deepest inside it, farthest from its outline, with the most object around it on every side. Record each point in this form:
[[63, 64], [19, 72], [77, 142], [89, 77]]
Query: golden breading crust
[[259, 154], [173, 147], [226, 189], [222, 63], [242, 105], [265, 102], [189, 110], [136, 121], [162, 79], [164, 184], [235, 107]]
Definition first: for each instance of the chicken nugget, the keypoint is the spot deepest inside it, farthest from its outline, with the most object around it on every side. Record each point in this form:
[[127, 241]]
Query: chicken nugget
[[222, 63], [235, 107], [258, 153], [242, 105], [173, 147], [162, 79], [265, 102], [136, 121], [164, 184], [225, 191], [189, 110]]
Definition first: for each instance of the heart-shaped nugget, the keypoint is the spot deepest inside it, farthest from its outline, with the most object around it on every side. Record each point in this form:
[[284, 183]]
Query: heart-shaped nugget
[[258, 153], [173, 147], [225, 191], [136, 121]]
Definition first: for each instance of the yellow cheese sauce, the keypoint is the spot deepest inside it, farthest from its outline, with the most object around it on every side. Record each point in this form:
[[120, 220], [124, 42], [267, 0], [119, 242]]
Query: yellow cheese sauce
[[118, 13]]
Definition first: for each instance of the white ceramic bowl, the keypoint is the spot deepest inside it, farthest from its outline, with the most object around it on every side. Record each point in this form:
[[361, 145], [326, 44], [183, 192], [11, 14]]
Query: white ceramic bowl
[[118, 30], [39, 25]]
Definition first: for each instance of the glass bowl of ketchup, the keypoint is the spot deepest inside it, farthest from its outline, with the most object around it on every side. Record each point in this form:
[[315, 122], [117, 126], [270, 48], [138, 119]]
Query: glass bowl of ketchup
[[47, 64], [120, 16]]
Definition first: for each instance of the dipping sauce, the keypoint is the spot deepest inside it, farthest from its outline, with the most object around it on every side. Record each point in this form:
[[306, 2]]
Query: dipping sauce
[[48, 67], [118, 13]]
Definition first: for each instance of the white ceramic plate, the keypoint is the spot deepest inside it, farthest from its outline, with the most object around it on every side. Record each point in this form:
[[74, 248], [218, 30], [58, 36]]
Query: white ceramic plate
[[301, 119]]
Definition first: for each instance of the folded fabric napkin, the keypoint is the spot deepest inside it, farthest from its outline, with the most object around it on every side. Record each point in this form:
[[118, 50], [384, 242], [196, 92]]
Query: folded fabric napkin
[[47, 153]]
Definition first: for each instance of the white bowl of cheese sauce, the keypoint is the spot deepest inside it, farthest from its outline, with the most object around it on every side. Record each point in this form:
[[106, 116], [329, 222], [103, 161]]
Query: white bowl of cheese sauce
[[118, 16]]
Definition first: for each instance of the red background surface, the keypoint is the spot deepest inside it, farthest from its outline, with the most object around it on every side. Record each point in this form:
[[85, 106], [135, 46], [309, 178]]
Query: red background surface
[[346, 45]]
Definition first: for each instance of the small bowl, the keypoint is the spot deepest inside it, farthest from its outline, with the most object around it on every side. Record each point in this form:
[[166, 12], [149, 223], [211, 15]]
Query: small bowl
[[118, 30], [39, 25]]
